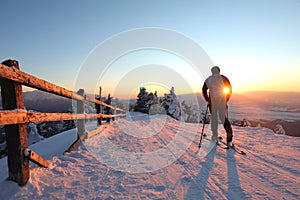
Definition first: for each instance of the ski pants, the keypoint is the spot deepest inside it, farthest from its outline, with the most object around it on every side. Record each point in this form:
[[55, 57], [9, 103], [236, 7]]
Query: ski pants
[[218, 110]]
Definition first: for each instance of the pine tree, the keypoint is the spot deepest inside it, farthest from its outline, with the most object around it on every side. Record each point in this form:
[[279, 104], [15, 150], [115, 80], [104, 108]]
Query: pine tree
[[142, 104]]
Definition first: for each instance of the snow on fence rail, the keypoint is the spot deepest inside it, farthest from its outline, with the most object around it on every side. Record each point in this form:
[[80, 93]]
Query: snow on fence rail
[[14, 116], [19, 116]]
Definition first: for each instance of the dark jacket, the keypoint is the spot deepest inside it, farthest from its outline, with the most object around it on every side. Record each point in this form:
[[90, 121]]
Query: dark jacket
[[226, 84]]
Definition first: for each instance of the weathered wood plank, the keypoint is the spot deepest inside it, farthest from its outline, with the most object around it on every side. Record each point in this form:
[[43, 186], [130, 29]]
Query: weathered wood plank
[[88, 135], [34, 82], [23, 78], [74, 145], [96, 131], [15, 117], [16, 135], [91, 99], [19, 117], [35, 158]]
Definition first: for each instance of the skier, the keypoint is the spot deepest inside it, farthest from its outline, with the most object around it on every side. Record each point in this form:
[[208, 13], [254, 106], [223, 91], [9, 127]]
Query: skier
[[217, 91]]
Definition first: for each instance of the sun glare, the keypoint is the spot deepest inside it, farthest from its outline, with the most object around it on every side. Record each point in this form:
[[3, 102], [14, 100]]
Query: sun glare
[[226, 90]]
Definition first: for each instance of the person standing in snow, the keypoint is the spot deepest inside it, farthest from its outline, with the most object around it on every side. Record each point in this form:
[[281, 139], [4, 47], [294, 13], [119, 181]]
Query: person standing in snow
[[217, 91]]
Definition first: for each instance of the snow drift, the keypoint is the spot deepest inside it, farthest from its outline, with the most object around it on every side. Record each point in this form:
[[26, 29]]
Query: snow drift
[[94, 171]]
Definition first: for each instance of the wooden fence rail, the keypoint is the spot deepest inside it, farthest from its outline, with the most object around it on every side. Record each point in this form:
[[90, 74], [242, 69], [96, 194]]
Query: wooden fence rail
[[14, 117], [14, 74], [22, 116]]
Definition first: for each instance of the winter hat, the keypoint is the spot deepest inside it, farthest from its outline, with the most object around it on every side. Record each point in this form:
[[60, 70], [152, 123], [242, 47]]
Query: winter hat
[[215, 70]]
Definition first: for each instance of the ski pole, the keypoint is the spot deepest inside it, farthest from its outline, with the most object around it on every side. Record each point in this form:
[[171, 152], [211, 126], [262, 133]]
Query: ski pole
[[204, 120]]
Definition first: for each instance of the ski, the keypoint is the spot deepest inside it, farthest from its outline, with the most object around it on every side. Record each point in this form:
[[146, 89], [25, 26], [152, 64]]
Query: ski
[[222, 145], [232, 146], [217, 143]]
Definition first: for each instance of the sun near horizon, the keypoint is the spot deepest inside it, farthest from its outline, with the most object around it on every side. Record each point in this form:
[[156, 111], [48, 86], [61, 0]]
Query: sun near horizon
[[162, 91]]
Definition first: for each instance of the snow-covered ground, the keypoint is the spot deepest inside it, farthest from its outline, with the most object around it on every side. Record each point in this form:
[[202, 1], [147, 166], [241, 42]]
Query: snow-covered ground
[[158, 158]]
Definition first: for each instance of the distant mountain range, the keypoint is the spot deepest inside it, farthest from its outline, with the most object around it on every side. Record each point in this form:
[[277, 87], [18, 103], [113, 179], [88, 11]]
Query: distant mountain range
[[45, 102], [265, 108], [286, 101]]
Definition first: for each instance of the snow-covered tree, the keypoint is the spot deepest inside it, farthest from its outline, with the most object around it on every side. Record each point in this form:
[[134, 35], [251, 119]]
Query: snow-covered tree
[[145, 100], [89, 107], [156, 109], [172, 105], [189, 113], [205, 118], [32, 133], [150, 103]]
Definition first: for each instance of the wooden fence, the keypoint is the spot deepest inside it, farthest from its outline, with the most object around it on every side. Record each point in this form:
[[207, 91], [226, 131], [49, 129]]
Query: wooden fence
[[14, 117]]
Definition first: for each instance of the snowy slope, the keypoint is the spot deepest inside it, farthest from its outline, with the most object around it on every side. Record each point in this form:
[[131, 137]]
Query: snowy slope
[[158, 158]]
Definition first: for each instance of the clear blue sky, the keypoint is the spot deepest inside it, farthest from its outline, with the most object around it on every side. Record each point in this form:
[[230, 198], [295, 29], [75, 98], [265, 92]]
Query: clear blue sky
[[256, 43]]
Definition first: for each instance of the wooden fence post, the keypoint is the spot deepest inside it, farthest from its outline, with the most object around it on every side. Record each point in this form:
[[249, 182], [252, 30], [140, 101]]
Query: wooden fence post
[[81, 122], [16, 135], [108, 109], [81, 133], [99, 107], [100, 93]]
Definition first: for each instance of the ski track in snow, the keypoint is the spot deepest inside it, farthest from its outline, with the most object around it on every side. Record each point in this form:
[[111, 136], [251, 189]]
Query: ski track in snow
[[270, 170]]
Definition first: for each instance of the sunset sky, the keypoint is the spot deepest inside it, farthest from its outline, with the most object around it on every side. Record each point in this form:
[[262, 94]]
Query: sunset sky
[[255, 43]]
